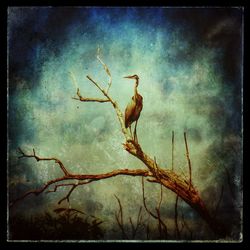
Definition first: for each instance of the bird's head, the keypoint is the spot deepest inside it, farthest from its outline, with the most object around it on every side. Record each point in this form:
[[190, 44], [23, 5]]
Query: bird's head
[[136, 77]]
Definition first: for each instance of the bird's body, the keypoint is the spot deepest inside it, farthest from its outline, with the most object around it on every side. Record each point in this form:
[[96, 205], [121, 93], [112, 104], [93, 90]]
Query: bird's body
[[134, 108]]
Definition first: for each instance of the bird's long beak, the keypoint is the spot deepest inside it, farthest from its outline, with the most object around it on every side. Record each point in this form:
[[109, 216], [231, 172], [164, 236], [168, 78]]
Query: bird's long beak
[[130, 77]]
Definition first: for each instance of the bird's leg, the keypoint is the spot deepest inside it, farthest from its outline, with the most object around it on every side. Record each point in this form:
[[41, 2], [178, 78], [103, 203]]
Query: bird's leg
[[135, 134], [130, 130]]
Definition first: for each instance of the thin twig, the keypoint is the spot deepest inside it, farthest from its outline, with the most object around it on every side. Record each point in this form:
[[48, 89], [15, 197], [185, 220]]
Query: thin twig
[[106, 69], [157, 217], [186, 225], [98, 86], [160, 201], [144, 201], [159, 222], [85, 99], [159, 214], [172, 150], [156, 170], [138, 223], [23, 155], [189, 162], [88, 99], [176, 218], [57, 186], [139, 220], [70, 184], [68, 195], [132, 226], [147, 229], [162, 224], [120, 220]]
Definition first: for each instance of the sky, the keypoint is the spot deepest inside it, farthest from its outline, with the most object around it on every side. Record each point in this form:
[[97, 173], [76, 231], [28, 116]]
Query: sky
[[189, 61]]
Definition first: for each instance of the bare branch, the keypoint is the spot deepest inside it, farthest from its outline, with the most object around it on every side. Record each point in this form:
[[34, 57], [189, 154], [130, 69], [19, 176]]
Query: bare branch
[[176, 218], [138, 223], [106, 69], [87, 99], [172, 150], [144, 201], [120, 220], [98, 86], [139, 219], [119, 114], [148, 230], [87, 177], [84, 99], [69, 184], [161, 224], [120, 207], [23, 155], [160, 201], [157, 217], [186, 225], [158, 211], [189, 162], [68, 195], [132, 225], [59, 185], [37, 191], [156, 171]]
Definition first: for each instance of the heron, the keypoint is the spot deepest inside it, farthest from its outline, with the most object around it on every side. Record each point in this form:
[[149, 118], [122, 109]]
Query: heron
[[134, 107]]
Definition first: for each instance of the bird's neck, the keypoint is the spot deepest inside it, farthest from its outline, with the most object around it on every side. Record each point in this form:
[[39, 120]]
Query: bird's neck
[[136, 85]]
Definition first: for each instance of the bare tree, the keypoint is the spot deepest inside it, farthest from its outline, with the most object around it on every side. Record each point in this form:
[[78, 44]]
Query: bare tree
[[167, 178]]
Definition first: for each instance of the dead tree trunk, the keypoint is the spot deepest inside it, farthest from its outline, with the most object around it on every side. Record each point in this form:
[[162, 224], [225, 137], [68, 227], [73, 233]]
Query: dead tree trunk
[[178, 185]]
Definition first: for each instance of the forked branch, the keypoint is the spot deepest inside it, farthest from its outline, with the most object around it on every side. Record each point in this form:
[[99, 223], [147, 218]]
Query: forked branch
[[65, 171], [88, 99], [80, 179]]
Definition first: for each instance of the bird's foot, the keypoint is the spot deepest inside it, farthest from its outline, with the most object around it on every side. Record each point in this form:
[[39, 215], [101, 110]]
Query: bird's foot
[[130, 140], [135, 139]]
